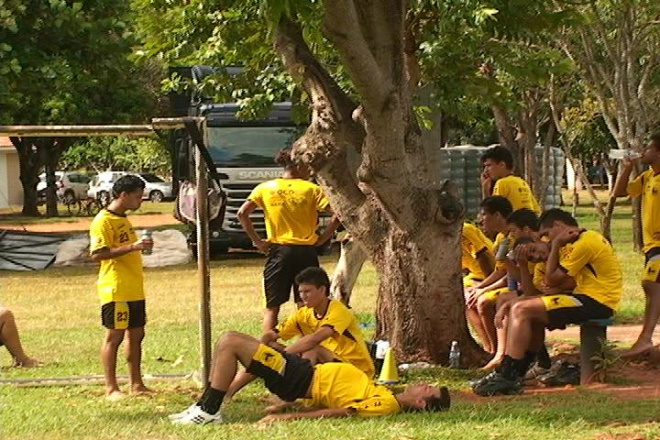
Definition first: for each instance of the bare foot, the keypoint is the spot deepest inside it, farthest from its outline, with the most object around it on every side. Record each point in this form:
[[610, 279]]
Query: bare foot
[[115, 395], [638, 348], [140, 389], [492, 364], [28, 363]]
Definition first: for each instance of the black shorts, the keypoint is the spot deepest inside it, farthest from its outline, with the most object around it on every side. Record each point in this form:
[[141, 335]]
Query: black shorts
[[283, 264], [573, 308], [286, 375], [122, 315]]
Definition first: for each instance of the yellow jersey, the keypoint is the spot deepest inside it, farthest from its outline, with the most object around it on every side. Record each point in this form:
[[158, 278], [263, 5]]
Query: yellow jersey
[[538, 275], [340, 385], [647, 185], [121, 278], [346, 343], [595, 268], [517, 191], [291, 208], [473, 242]]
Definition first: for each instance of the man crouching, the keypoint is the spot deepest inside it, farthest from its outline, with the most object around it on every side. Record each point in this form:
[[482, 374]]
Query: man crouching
[[334, 389]]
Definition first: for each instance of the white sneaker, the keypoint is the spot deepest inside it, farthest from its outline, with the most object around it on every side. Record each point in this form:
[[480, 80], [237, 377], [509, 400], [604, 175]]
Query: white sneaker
[[182, 413], [196, 416]]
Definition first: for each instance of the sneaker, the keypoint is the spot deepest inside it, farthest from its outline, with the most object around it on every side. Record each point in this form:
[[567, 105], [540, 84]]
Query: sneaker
[[196, 416], [566, 374], [477, 382], [535, 372], [497, 384], [182, 413]]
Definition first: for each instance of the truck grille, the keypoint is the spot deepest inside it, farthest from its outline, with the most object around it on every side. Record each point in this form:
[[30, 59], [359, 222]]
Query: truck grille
[[237, 193]]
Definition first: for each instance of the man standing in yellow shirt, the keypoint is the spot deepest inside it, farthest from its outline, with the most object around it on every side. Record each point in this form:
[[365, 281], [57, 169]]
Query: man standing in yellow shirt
[[646, 186], [591, 264], [335, 389], [498, 169], [328, 330], [291, 205], [113, 243]]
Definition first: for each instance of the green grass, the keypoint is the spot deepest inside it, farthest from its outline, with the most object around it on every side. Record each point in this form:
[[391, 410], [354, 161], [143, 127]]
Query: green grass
[[58, 315]]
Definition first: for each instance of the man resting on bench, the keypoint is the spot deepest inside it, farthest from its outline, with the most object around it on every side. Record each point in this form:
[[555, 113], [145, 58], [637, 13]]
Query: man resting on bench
[[334, 389], [573, 253]]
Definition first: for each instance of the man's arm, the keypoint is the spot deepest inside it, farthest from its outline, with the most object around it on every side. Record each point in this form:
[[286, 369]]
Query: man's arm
[[312, 414], [246, 222], [486, 261], [308, 342], [621, 185], [555, 275], [330, 229], [108, 254]]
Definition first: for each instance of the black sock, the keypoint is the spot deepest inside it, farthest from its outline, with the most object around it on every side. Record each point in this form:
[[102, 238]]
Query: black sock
[[528, 360], [511, 367], [543, 358], [211, 400]]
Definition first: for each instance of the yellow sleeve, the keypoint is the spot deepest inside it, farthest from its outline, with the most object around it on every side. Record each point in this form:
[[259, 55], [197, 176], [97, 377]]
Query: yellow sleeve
[[578, 258], [538, 278], [635, 187], [338, 317], [375, 406], [476, 242], [319, 198], [501, 188], [290, 327], [257, 195], [100, 235]]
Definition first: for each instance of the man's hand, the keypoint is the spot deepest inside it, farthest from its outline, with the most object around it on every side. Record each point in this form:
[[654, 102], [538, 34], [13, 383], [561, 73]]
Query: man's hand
[[144, 244], [262, 245], [271, 418], [568, 235], [520, 254], [486, 181], [471, 301]]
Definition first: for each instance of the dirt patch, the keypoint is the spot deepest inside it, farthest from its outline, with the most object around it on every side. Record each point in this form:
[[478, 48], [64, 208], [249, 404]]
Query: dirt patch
[[82, 224], [617, 333]]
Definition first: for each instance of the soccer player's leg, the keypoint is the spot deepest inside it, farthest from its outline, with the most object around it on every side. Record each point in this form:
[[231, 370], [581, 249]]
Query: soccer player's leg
[[651, 286], [277, 283], [501, 332], [486, 310], [137, 319], [114, 317]]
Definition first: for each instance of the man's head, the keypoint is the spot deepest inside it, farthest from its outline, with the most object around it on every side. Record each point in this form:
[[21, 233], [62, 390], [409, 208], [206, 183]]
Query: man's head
[[538, 251], [522, 223], [313, 285], [425, 397], [285, 158], [553, 221], [494, 212], [497, 162], [651, 154], [128, 191]]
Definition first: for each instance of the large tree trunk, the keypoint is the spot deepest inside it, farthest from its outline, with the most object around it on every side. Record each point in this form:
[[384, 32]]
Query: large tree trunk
[[30, 163], [410, 230]]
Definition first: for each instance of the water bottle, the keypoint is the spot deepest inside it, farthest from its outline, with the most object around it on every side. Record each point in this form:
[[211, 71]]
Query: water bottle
[[503, 249], [454, 355], [620, 154], [146, 235]]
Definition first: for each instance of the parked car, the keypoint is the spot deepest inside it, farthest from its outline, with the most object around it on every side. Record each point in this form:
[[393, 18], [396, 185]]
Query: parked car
[[69, 185], [156, 189]]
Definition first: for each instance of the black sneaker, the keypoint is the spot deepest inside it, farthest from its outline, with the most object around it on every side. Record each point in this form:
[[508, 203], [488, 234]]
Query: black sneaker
[[566, 374], [477, 382], [497, 384]]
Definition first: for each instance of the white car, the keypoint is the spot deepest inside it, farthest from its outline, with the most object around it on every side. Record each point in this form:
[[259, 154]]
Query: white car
[[69, 185], [156, 189]]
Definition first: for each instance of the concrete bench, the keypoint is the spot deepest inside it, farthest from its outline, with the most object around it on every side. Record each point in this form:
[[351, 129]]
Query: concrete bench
[[592, 335]]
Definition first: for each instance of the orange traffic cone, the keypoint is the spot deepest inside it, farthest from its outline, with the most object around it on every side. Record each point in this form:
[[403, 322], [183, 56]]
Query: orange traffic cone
[[389, 373]]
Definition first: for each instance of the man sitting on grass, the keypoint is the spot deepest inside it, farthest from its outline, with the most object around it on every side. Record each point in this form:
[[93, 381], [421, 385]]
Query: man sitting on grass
[[328, 330], [583, 256], [334, 389]]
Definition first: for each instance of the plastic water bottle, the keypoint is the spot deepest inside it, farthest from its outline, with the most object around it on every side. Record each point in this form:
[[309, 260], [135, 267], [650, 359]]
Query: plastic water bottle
[[620, 154], [454, 355], [146, 235]]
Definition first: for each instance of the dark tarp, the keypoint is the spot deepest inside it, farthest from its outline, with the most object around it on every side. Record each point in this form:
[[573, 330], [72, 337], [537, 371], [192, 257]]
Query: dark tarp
[[27, 250]]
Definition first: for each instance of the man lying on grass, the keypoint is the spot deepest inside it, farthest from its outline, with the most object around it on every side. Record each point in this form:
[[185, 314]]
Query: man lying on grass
[[334, 389]]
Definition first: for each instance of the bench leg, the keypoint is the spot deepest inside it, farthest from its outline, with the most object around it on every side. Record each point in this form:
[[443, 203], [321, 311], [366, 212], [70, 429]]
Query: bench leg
[[590, 345]]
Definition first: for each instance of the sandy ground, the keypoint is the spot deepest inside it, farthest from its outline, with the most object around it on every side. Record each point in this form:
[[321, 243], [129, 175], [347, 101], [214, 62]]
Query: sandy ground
[[82, 224]]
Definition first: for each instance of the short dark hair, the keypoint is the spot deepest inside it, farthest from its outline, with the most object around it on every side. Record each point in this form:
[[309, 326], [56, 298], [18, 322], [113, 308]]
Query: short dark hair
[[314, 276], [495, 204], [522, 240], [524, 218], [436, 404], [283, 157], [655, 139], [127, 183], [555, 214], [498, 153]]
